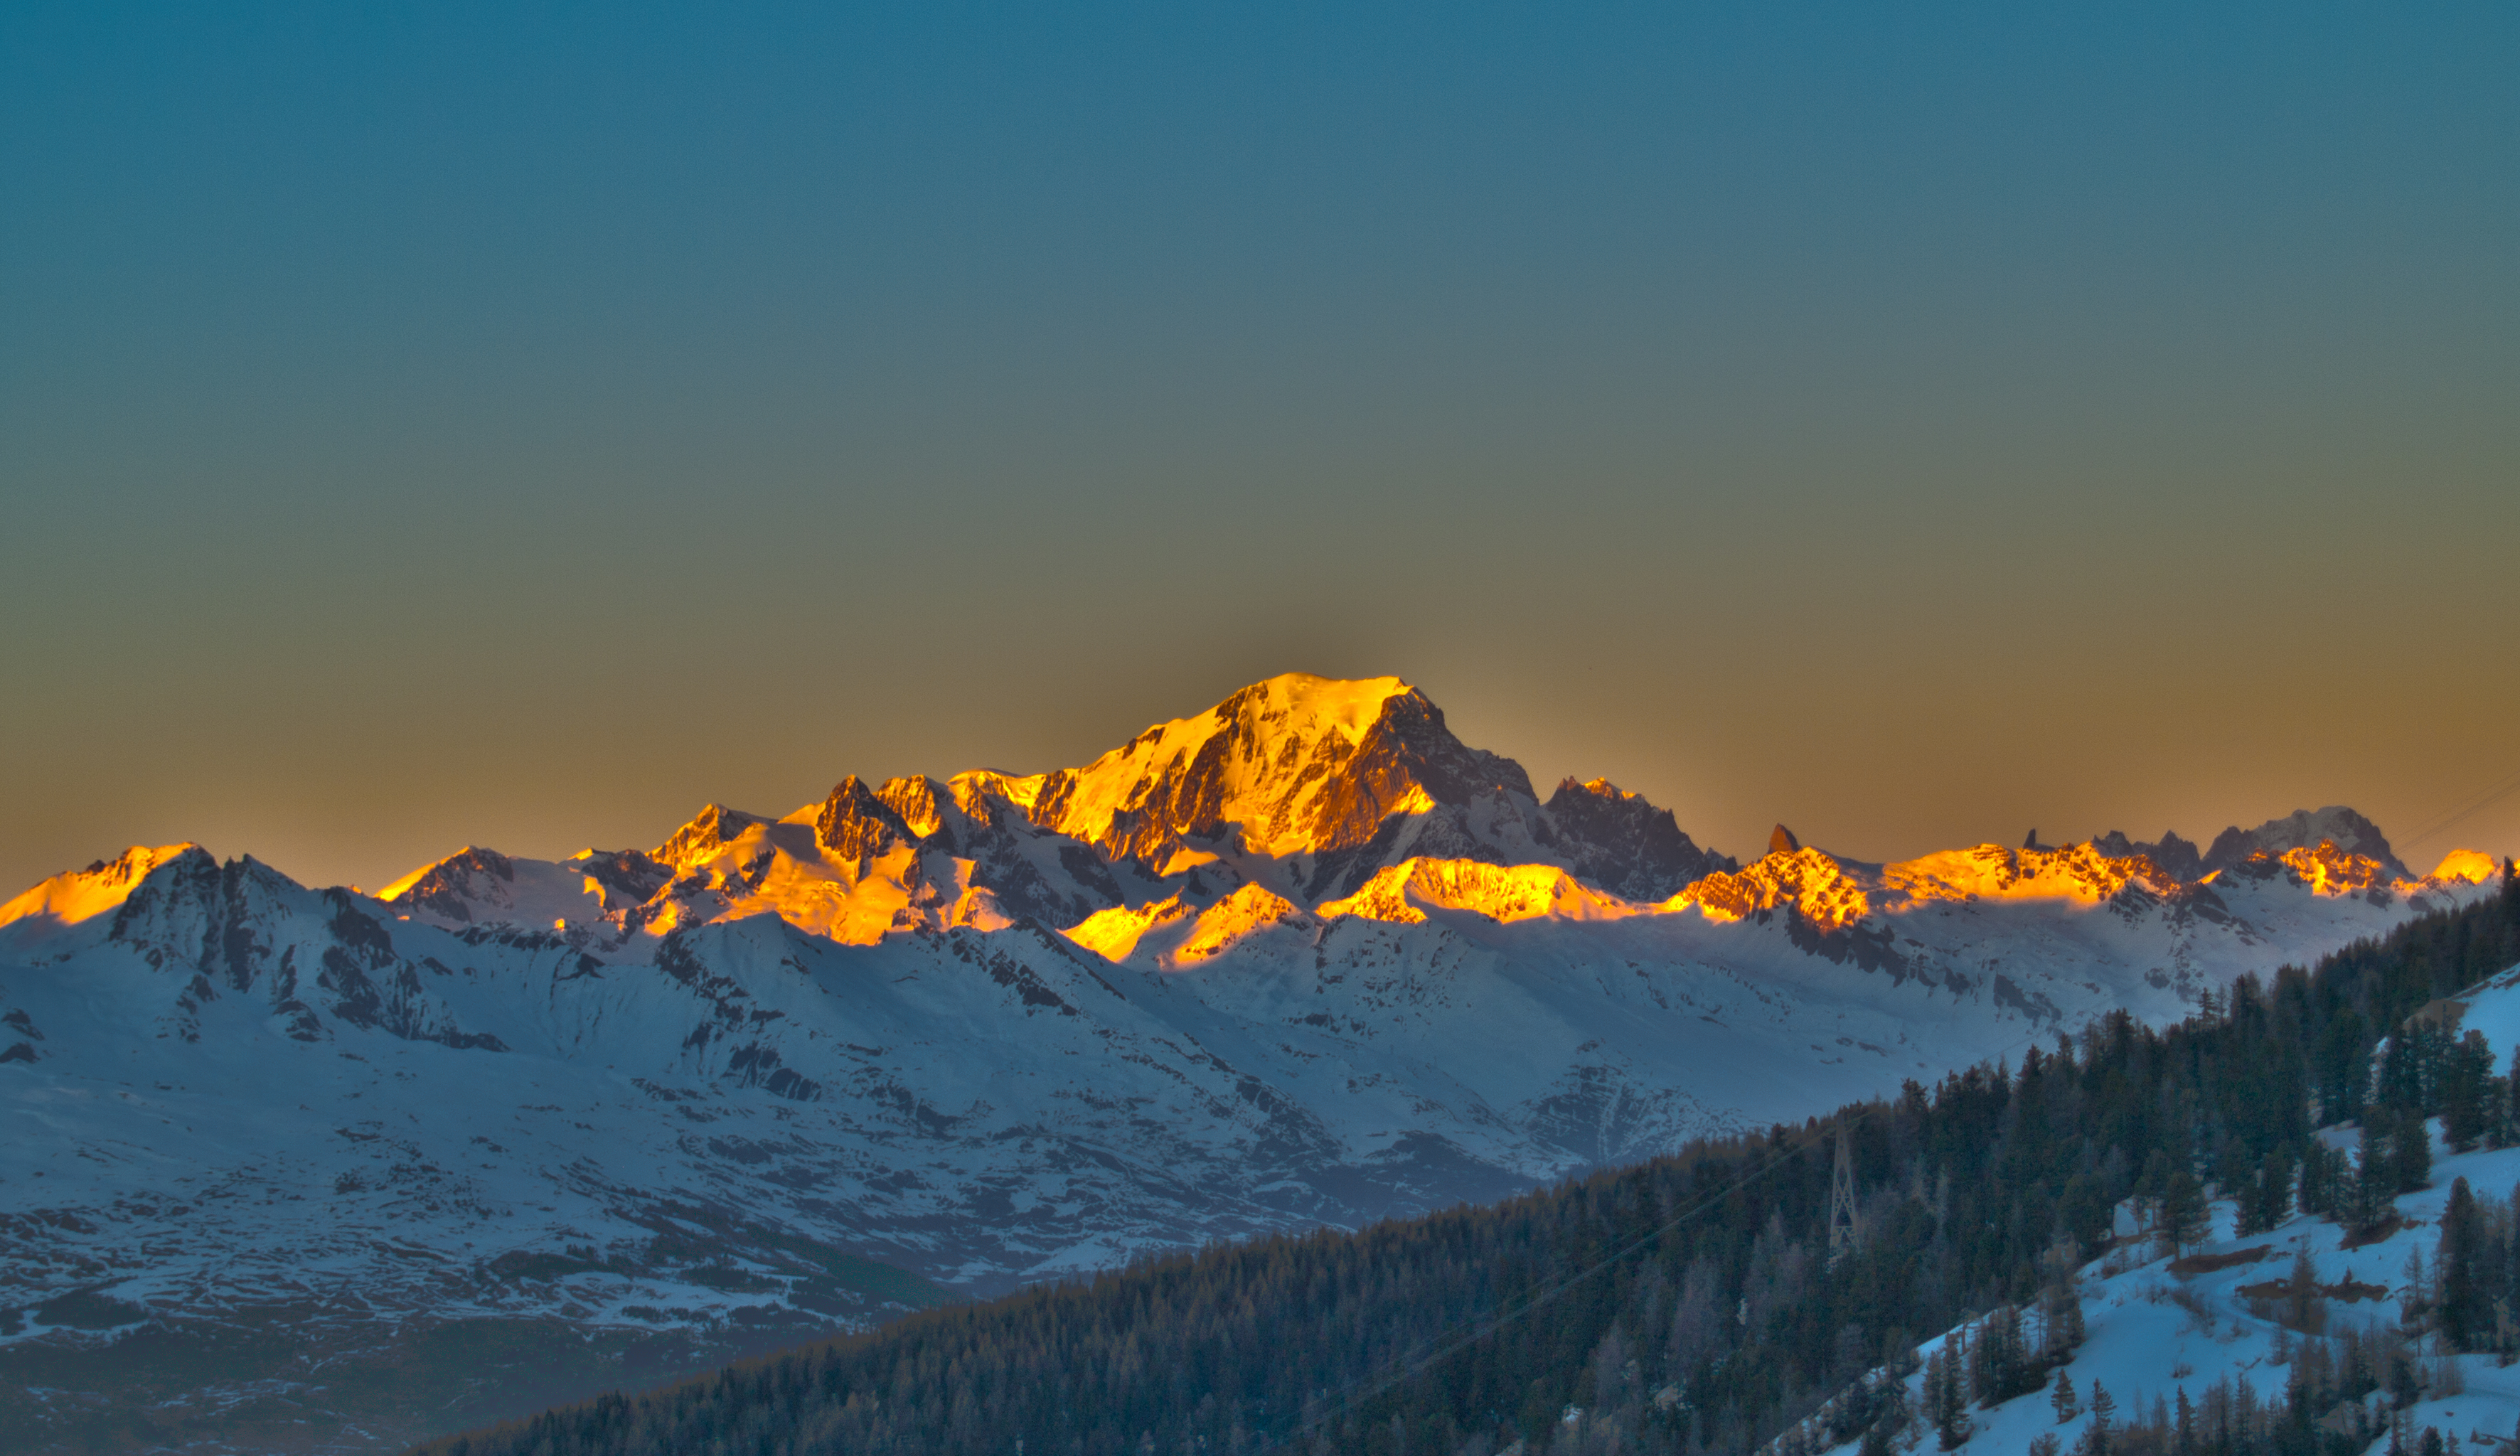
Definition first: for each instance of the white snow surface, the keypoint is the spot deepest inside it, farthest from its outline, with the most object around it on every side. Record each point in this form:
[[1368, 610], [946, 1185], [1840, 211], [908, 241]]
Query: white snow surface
[[2143, 1342], [224, 1087], [1304, 959]]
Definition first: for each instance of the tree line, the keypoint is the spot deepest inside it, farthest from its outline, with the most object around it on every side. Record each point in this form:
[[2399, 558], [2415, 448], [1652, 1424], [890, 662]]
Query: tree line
[[1690, 1303]]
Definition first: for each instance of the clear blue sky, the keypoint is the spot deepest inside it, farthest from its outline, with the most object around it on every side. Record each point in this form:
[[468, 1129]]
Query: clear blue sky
[[433, 424]]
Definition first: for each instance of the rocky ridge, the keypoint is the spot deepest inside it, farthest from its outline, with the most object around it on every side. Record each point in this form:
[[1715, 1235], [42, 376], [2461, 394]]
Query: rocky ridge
[[778, 1075]]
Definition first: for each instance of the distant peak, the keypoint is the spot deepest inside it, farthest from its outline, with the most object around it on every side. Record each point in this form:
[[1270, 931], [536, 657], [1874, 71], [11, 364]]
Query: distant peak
[[2466, 865], [858, 825], [2306, 829], [2170, 854], [1295, 764], [1348, 706], [1598, 788], [1781, 841], [708, 832], [469, 858], [77, 894]]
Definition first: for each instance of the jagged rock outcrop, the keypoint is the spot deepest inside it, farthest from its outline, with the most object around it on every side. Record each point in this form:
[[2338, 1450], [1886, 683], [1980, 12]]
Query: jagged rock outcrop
[[1302, 960], [709, 832], [1297, 764], [856, 824], [2179, 857], [2306, 829], [1617, 841]]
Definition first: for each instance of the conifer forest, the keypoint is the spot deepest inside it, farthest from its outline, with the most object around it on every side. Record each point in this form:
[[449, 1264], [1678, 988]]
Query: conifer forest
[[1692, 1304]]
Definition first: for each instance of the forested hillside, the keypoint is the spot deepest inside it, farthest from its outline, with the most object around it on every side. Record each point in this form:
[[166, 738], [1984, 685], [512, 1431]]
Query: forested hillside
[[1687, 1304]]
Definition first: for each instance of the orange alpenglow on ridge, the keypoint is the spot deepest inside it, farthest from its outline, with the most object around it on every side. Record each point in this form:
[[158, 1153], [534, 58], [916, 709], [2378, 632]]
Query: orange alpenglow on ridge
[[100, 889], [1293, 802], [1812, 883], [2076, 872], [2466, 866], [1272, 762], [1500, 892]]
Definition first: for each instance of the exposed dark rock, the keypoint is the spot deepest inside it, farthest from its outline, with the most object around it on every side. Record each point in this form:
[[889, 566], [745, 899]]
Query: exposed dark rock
[[446, 888], [1618, 841], [855, 824], [2305, 829], [1407, 746], [2172, 855], [711, 830], [626, 878]]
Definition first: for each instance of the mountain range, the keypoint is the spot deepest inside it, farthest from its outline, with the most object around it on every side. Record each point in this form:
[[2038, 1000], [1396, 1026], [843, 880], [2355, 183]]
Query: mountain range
[[1302, 960]]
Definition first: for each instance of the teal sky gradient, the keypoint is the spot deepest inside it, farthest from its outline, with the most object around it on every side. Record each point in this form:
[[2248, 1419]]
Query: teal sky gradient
[[423, 426]]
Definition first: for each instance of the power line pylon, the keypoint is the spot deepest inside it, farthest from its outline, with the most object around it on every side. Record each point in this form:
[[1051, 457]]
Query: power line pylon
[[1842, 1199]]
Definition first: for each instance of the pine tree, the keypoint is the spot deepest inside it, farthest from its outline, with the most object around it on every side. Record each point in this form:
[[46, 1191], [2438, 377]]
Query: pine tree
[[2302, 1308], [2185, 1217], [1945, 1401], [2273, 1202], [2060, 1302], [2466, 1316], [2375, 1183], [2315, 1194], [2415, 1297], [2467, 1071], [2413, 1142], [2063, 1400], [2098, 1439]]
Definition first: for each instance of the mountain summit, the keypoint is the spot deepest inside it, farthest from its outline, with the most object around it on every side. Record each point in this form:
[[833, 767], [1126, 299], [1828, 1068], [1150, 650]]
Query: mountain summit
[[1304, 958], [1294, 766]]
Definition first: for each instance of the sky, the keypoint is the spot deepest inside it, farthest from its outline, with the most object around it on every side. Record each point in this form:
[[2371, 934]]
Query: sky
[[425, 425]]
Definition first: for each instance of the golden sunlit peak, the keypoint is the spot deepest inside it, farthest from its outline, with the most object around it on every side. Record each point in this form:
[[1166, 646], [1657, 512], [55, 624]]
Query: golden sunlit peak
[[707, 833], [2077, 873], [1812, 883], [2329, 870], [1250, 908], [1403, 893], [1267, 762], [79, 895], [402, 887], [1350, 704], [2468, 866]]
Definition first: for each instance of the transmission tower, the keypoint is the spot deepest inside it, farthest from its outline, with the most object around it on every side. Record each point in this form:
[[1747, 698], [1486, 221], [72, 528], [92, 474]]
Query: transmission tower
[[1842, 1199]]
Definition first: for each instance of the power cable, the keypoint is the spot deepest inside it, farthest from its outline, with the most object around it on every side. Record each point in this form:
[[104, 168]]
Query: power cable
[[1357, 1395], [2445, 823]]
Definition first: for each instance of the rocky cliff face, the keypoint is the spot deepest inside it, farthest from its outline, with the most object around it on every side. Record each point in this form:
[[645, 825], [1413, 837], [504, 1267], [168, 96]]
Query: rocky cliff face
[[1618, 841], [2179, 857], [2306, 829], [1295, 766], [1304, 958]]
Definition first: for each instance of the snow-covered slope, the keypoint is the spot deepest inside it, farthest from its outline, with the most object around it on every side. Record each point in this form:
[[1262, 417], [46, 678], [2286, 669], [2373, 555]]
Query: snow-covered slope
[[2157, 1329], [990, 1029]]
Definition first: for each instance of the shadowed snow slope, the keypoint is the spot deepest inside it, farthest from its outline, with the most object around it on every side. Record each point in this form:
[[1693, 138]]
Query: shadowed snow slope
[[1302, 960], [2155, 1331]]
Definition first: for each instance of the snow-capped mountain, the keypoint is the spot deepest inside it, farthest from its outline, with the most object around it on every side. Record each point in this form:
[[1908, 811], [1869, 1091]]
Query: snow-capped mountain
[[1304, 958]]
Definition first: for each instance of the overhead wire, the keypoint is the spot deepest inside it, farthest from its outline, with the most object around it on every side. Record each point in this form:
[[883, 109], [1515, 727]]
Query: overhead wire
[[1356, 1395], [2445, 823]]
